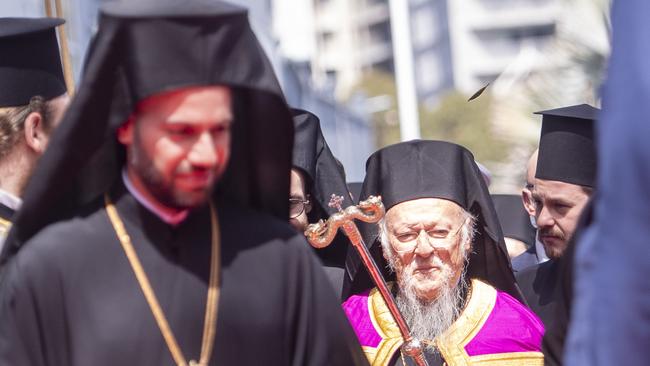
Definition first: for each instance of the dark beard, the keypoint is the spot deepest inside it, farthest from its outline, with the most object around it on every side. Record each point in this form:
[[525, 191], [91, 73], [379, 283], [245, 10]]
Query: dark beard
[[553, 252], [162, 191]]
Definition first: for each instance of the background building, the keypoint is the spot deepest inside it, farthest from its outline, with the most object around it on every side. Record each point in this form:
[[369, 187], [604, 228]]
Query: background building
[[488, 35], [351, 37], [459, 44]]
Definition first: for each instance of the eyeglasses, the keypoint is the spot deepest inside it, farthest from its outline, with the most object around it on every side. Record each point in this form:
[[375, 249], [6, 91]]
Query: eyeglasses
[[297, 207], [437, 239]]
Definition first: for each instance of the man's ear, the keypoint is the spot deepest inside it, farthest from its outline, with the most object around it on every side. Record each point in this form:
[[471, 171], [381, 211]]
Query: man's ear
[[35, 135], [526, 198], [125, 131]]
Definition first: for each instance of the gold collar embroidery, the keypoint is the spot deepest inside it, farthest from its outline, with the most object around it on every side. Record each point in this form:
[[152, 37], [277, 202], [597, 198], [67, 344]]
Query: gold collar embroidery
[[452, 343]]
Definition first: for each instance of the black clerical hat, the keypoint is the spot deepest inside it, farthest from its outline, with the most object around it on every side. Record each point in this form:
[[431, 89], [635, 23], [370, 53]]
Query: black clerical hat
[[30, 64], [143, 48], [436, 169], [567, 152], [513, 217]]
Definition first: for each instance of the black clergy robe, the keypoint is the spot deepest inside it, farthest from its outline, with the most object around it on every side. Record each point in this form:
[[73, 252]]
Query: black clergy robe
[[525, 260], [71, 298], [556, 331], [539, 284]]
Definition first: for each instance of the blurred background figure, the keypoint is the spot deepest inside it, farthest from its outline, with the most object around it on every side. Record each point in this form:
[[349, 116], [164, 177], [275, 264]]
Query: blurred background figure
[[611, 312], [519, 234], [535, 254], [33, 98], [316, 175], [564, 181]]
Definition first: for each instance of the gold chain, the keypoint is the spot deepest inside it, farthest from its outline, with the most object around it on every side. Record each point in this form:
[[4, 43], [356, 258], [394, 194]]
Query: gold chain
[[212, 303]]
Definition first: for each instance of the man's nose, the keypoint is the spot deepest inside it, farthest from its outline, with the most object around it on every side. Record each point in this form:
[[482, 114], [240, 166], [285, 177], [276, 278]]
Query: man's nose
[[424, 247], [204, 151], [544, 218]]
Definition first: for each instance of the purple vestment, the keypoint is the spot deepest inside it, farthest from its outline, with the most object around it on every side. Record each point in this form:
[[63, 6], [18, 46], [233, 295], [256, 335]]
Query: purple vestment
[[493, 327]]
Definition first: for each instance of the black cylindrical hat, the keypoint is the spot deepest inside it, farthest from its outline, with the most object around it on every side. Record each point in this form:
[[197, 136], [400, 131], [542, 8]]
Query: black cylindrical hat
[[30, 63], [567, 152]]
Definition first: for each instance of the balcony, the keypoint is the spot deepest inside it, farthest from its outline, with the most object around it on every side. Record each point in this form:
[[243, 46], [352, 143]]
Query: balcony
[[517, 14], [372, 13]]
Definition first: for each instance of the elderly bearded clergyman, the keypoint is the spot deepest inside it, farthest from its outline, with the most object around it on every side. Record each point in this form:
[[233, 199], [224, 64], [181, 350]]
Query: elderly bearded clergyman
[[441, 239]]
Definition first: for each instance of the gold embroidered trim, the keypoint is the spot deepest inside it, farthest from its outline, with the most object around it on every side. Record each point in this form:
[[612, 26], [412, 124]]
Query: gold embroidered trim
[[509, 359], [5, 226], [4, 222], [452, 343], [387, 328]]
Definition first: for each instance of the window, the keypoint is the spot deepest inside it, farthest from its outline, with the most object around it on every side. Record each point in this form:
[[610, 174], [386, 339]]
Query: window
[[424, 28]]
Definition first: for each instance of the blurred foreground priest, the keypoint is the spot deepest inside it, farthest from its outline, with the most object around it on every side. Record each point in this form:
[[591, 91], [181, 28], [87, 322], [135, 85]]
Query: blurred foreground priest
[[610, 322], [124, 254], [316, 174], [442, 240]]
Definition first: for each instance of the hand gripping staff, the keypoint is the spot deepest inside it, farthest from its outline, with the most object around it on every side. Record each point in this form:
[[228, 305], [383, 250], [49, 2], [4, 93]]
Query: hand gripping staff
[[371, 210]]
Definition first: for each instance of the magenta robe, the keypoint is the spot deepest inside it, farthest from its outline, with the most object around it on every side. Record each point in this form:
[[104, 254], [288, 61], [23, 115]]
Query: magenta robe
[[493, 329]]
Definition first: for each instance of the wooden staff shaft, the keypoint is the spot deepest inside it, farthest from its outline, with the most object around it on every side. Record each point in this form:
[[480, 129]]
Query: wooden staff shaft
[[48, 8], [354, 235], [65, 51]]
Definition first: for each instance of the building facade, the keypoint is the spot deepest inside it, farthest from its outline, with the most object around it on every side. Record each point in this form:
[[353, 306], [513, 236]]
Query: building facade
[[456, 44]]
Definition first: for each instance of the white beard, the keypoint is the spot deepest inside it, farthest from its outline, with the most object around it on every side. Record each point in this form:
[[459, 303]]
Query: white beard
[[428, 320]]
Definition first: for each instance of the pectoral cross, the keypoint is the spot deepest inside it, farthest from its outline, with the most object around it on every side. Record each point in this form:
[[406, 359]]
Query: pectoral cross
[[371, 210]]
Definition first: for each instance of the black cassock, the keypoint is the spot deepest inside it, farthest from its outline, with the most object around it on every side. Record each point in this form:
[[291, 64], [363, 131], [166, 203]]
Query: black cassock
[[70, 296], [539, 285]]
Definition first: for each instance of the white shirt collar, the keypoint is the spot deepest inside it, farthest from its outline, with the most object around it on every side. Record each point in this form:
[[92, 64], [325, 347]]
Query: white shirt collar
[[10, 200], [170, 218], [539, 249]]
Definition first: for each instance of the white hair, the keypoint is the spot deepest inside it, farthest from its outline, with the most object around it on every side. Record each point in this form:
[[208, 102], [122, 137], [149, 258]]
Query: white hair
[[428, 320]]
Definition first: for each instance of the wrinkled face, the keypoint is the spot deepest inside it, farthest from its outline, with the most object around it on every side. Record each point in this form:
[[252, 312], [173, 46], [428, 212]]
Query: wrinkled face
[[431, 227], [298, 205], [558, 206], [178, 143]]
